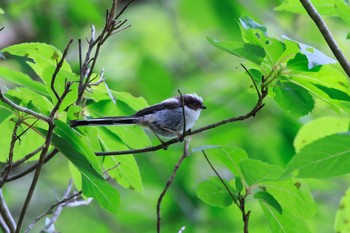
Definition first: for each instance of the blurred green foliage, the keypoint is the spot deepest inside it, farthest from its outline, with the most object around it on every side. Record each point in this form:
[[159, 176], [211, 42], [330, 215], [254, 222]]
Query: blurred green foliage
[[167, 49]]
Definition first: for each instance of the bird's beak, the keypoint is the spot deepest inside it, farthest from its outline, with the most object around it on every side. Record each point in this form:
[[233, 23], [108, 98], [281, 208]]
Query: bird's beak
[[203, 107]]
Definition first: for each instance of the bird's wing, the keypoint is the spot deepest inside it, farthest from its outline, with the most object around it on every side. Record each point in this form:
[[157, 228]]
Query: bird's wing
[[157, 107]]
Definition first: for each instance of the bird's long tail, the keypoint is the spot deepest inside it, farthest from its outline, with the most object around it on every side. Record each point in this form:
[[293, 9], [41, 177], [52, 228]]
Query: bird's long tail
[[104, 121]]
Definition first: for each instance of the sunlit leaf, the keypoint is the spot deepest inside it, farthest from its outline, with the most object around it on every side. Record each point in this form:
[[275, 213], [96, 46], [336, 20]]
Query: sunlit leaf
[[343, 9], [214, 193], [343, 213], [324, 7], [126, 172], [251, 52], [319, 128], [294, 197], [314, 56], [31, 99], [255, 171], [230, 157], [325, 157], [254, 33], [285, 222], [22, 79]]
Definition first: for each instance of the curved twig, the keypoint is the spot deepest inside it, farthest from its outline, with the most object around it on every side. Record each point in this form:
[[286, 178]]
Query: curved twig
[[316, 17], [169, 182]]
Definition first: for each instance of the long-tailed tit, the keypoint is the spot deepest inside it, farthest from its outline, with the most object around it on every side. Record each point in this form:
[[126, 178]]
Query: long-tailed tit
[[165, 118]]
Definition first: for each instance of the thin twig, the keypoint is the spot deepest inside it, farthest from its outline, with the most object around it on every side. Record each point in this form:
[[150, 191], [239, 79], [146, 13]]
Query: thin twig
[[6, 214], [28, 170], [327, 35], [36, 177], [7, 169], [109, 169], [59, 208], [221, 179], [58, 68], [183, 114], [169, 182], [3, 225], [65, 201], [23, 109], [87, 66], [251, 77], [29, 127], [27, 156]]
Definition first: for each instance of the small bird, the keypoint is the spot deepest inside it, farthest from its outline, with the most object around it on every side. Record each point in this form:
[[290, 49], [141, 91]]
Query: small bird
[[163, 119]]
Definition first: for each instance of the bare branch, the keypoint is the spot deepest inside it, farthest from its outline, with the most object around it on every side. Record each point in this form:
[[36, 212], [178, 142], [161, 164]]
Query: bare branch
[[5, 214], [28, 170], [327, 35], [58, 68], [28, 156], [169, 182], [23, 109], [7, 169], [112, 26], [36, 177], [66, 200], [100, 80]]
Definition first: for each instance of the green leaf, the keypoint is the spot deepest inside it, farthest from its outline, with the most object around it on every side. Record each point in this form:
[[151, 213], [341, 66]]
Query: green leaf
[[327, 76], [255, 171], [247, 23], [334, 93], [230, 157], [314, 56], [84, 159], [31, 99], [294, 197], [22, 79], [41, 56], [293, 98], [324, 7], [325, 157], [43, 59], [319, 128], [343, 213], [127, 173], [214, 193], [348, 36], [286, 223], [301, 63], [343, 10], [251, 52], [239, 184], [269, 199], [254, 33]]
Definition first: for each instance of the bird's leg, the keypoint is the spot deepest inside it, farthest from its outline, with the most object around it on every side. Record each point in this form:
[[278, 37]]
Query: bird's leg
[[164, 146]]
